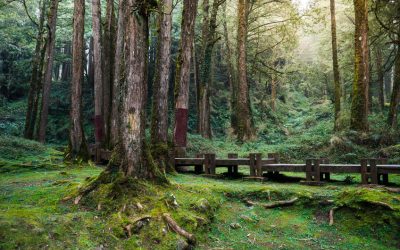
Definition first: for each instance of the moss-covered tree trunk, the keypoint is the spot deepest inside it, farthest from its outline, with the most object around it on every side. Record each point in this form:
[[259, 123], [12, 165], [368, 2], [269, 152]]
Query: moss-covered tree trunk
[[359, 104], [51, 42], [77, 149], [98, 76], [395, 99], [183, 75], [335, 63], [37, 63], [242, 109], [118, 77], [108, 66], [159, 119]]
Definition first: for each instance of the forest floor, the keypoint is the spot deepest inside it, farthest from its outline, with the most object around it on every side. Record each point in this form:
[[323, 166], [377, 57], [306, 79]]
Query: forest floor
[[34, 180]]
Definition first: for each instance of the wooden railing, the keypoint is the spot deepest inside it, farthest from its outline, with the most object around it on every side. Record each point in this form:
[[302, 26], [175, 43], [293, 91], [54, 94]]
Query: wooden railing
[[373, 171]]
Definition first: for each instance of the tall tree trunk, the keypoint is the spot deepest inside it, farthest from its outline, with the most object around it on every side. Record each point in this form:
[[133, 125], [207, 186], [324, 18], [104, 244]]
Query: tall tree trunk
[[118, 70], [66, 66], [273, 92], [359, 104], [395, 99], [51, 41], [209, 39], [335, 63], [379, 68], [108, 66], [231, 73], [135, 163], [183, 75], [159, 119], [244, 123], [30, 119], [98, 82], [77, 149], [91, 63]]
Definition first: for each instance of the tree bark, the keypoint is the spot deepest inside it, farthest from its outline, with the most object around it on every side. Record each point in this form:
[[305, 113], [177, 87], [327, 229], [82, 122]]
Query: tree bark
[[118, 76], [359, 104], [108, 66], [209, 39], [395, 99], [244, 123], [381, 74], [273, 92], [66, 66], [159, 119], [98, 82], [37, 67], [51, 41], [90, 62], [335, 64], [135, 162], [183, 75], [77, 149]]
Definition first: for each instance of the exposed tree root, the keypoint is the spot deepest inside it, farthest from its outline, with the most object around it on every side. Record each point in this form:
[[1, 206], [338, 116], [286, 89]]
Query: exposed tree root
[[331, 215], [280, 203], [177, 229], [137, 224]]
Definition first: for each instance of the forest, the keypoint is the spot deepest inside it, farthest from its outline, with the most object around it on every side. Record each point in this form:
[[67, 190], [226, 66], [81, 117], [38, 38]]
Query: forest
[[210, 124]]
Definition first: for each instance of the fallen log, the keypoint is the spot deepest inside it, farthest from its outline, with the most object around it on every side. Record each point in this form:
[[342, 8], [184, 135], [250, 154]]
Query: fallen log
[[177, 229], [280, 203]]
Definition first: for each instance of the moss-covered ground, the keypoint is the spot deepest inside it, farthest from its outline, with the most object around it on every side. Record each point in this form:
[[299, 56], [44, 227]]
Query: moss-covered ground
[[34, 181]]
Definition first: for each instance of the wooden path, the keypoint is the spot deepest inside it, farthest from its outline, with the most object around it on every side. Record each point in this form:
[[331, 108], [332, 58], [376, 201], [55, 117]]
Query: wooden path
[[374, 171]]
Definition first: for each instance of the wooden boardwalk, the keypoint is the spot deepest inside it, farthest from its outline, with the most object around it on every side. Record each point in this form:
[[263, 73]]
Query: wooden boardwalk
[[374, 171]]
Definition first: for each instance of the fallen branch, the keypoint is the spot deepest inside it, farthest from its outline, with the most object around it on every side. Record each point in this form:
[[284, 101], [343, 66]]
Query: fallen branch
[[177, 229], [249, 202], [331, 216], [280, 203]]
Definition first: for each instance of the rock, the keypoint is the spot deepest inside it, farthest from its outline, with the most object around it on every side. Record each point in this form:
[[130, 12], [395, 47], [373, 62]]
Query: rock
[[182, 245], [203, 205]]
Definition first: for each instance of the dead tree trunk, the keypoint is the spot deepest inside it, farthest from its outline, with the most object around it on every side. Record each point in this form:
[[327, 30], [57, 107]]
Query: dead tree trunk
[[118, 70], [37, 66], [51, 41], [183, 75], [77, 149], [98, 82], [159, 119], [335, 63], [108, 66], [359, 104], [243, 115]]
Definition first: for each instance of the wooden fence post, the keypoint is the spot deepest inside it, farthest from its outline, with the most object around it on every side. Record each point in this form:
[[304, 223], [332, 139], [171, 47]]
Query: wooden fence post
[[364, 171], [198, 169], [317, 170], [233, 168], [252, 164], [211, 161], [374, 171], [385, 177], [325, 175], [258, 164], [309, 170]]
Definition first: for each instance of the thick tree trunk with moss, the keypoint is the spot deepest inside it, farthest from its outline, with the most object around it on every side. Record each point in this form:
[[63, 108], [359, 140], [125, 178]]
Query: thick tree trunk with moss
[[77, 143], [359, 104], [135, 160], [335, 63], [243, 115], [108, 72], [37, 66], [159, 119], [183, 75], [395, 99], [98, 77], [381, 74], [51, 41], [118, 76]]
